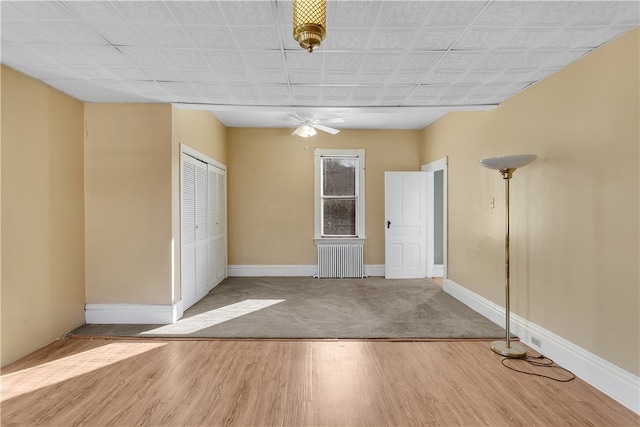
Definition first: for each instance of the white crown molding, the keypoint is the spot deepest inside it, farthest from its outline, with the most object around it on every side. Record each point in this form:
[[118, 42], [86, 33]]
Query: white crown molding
[[612, 380]]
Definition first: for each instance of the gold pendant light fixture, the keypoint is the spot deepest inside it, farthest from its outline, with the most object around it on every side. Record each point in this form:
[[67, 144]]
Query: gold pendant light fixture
[[309, 23]]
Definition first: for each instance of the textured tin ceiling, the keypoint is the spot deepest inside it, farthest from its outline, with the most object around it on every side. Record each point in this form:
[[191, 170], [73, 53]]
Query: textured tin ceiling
[[384, 63]]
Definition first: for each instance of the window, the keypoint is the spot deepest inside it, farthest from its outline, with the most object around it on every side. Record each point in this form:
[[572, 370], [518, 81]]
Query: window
[[339, 198]]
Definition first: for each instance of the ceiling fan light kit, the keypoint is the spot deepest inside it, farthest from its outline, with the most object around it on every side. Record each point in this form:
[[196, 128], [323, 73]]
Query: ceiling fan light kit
[[309, 23], [305, 131]]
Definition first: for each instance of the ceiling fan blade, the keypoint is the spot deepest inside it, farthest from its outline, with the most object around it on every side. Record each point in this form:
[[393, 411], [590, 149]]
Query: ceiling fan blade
[[297, 117], [327, 129], [332, 120]]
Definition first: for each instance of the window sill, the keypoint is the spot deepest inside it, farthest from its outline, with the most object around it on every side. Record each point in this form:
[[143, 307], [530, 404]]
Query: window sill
[[339, 241]]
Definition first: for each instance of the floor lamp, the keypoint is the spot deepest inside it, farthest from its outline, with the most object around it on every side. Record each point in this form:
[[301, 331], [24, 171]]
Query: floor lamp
[[507, 165]]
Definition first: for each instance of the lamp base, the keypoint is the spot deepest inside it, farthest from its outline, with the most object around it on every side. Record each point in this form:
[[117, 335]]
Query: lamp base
[[513, 351]]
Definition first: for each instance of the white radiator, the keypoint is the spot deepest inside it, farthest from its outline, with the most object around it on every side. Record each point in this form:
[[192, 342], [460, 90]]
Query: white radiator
[[340, 261]]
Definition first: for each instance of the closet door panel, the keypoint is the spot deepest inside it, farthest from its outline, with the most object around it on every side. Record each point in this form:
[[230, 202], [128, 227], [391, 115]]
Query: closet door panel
[[188, 219], [212, 205], [201, 201], [188, 275]]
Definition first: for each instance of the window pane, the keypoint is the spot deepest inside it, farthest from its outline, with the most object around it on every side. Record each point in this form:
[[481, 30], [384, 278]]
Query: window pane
[[339, 176], [339, 217]]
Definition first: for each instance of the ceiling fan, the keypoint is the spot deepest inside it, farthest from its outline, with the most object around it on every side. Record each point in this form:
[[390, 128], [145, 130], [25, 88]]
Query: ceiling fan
[[307, 126]]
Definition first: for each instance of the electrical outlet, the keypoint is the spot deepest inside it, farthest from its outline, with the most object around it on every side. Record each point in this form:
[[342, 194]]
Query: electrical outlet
[[536, 341], [492, 203]]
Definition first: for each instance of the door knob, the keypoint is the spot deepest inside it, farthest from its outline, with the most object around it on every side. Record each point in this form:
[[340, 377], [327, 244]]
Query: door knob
[[388, 224]]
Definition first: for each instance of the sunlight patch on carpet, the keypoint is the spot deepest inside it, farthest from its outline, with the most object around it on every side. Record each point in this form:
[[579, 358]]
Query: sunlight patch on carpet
[[210, 318]]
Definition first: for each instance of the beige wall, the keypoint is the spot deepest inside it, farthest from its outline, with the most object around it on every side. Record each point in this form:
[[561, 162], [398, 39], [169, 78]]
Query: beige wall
[[203, 132], [42, 215], [270, 187], [575, 215], [128, 177]]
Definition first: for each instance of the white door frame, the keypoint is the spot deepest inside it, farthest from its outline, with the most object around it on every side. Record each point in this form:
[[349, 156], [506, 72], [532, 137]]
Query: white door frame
[[430, 168]]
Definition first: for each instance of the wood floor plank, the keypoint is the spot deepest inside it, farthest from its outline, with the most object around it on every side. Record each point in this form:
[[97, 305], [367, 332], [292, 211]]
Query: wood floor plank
[[110, 382]]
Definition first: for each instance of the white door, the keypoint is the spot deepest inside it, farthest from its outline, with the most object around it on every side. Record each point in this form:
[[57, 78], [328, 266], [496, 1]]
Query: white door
[[405, 225]]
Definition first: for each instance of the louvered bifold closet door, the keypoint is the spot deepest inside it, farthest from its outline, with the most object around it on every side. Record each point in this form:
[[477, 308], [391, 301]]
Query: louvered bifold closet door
[[203, 224], [221, 237], [202, 246], [212, 229], [188, 231]]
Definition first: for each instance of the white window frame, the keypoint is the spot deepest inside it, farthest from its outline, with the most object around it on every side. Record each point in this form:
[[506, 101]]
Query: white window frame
[[360, 188]]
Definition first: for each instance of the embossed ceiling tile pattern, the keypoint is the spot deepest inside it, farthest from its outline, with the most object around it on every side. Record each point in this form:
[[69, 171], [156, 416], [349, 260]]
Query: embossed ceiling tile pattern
[[209, 37], [372, 78], [23, 32], [391, 39], [557, 13], [454, 13], [235, 76], [144, 56], [354, 13], [604, 13], [299, 60], [302, 77], [274, 91], [144, 11], [95, 10], [405, 13], [120, 33], [437, 38], [339, 78], [264, 60], [342, 39], [161, 35], [366, 92], [381, 61], [525, 38], [481, 38], [423, 61], [70, 33], [224, 60], [257, 37], [442, 77], [508, 13], [343, 62], [184, 59], [36, 10], [197, 12], [247, 12], [269, 77], [459, 61], [497, 60], [241, 54]]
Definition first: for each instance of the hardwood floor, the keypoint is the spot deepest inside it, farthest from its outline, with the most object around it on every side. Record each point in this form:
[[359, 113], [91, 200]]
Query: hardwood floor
[[101, 382]]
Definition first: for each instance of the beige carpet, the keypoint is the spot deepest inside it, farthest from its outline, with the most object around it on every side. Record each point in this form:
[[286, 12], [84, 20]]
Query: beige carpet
[[300, 307]]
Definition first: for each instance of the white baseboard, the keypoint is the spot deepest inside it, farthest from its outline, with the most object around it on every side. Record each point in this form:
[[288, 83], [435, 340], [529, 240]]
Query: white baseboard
[[133, 313], [271, 270], [374, 270], [290, 270], [438, 270], [612, 380]]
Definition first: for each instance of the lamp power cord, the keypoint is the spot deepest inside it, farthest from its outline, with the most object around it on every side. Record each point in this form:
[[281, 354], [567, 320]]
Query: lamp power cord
[[540, 361]]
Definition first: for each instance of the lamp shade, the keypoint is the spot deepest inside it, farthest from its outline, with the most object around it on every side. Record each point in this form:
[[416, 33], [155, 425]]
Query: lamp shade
[[508, 162]]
